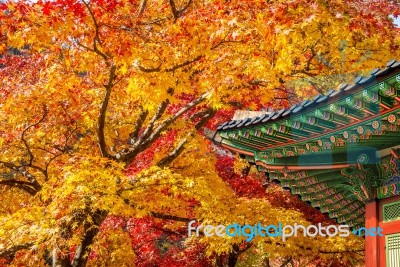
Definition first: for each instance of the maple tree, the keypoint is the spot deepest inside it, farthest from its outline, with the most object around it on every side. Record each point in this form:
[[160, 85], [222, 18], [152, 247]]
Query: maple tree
[[102, 108]]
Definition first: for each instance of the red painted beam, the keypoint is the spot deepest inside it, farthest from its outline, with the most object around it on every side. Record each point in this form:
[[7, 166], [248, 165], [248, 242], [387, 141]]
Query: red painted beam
[[238, 150], [299, 168], [371, 242]]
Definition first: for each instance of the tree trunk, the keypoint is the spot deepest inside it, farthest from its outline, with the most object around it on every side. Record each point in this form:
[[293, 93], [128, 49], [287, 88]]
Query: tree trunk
[[219, 261], [233, 256], [60, 260], [287, 261], [91, 230], [266, 262]]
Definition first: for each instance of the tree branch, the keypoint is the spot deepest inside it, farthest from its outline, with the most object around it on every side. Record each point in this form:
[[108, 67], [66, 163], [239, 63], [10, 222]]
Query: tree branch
[[91, 229], [33, 186], [183, 9], [148, 70], [103, 111], [173, 9], [141, 146], [160, 111], [181, 112], [170, 217], [142, 8], [186, 63], [181, 145], [97, 34], [133, 136], [23, 185], [177, 13], [316, 87], [170, 69], [175, 153], [286, 262], [160, 215], [31, 156], [246, 247], [12, 250]]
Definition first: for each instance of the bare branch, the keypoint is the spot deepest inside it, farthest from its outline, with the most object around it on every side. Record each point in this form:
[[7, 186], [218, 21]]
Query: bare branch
[[175, 12], [223, 41], [316, 87], [288, 92], [48, 164], [22, 169], [96, 25], [207, 115]]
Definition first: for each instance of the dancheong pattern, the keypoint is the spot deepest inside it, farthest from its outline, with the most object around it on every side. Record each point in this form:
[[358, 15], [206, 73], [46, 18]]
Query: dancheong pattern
[[391, 176]]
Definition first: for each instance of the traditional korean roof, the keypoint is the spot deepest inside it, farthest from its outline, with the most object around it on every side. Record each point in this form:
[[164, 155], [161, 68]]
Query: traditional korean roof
[[330, 149]]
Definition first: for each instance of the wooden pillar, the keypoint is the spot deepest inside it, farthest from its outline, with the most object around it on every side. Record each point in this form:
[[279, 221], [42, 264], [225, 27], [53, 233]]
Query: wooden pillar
[[371, 242], [388, 228]]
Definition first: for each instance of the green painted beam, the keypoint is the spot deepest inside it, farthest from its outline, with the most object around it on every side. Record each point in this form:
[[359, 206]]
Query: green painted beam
[[313, 121], [330, 116], [252, 140], [303, 126]]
